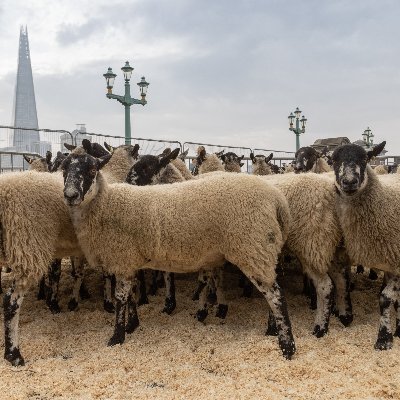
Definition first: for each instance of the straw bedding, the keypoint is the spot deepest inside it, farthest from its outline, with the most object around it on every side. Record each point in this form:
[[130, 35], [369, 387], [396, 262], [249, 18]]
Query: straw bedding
[[176, 357]]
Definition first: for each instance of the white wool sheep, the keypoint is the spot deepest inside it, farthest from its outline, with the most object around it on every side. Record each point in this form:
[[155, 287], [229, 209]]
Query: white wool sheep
[[260, 164], [206, 163], [381, 170], [367, 208], [139, 229]]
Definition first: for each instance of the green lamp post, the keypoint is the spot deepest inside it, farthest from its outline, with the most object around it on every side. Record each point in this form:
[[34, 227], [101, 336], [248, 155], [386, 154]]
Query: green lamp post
[[126, 100], [297, 131], [368, 138]]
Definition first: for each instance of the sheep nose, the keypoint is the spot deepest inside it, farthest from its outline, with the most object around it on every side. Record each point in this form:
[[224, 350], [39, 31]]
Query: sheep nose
[[350, 181], [71, 195]]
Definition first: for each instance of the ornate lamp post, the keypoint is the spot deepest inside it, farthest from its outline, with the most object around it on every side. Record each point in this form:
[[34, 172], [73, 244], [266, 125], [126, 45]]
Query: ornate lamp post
[[297, 131], [126, 100], [368, 138]]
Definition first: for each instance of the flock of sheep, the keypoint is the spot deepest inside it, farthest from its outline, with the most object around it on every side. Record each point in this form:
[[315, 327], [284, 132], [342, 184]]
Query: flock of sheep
[[123, 212]]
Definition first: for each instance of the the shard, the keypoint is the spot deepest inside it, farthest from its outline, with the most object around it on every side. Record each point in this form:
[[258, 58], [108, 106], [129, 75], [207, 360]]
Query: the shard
[[24, 110]]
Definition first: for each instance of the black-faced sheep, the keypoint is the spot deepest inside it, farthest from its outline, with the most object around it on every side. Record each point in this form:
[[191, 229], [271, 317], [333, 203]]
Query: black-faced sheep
[[309, 159], [140, 229], [367, 209]]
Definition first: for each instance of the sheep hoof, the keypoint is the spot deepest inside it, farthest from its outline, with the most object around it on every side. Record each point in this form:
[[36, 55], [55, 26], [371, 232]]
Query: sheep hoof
[[384, 341], [346, 320], [84, 292], [143, 300], [170, 305], [116, 339], [288, 348], [222, 311], [319, 332], [201, 315], [372, 275], [15, 358], [72, 305], [132, 324], [109, 306], [54, 307]]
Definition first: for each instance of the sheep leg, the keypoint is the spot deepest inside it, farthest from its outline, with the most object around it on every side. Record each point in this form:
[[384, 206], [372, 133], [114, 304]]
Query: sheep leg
[[77, 273], [341, 279], [277, 303], [12, 302], [272, 329], [387, 297], [52, 288], [222, 308], [1, 290], [143, 299], [201, 284], [170, 300], [133, 319], [202, 312], [324, 287], [122, 290], [108, 289], [310, 291], [42, 289]]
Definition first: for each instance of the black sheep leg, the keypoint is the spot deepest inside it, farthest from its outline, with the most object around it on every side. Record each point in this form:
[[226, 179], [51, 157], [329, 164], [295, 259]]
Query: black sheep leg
[[170, 299], [53, 285]]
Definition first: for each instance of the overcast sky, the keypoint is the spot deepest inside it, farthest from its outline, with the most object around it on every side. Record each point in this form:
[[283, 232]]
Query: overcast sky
[[220, 71]]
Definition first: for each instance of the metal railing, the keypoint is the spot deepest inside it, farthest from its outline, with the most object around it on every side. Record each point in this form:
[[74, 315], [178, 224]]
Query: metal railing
[[13, 161], [147, 146], [280, 157]]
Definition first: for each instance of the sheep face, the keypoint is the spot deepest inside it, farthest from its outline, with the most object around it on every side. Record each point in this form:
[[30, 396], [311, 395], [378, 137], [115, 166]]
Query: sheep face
[[148, 169], [60, 157], [80, 172], [306, 157], [232, 162], [261, 164], [349, 164]]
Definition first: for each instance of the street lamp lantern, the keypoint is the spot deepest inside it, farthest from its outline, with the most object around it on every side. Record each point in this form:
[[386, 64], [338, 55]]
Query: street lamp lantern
[[127, 70], [126, 100], [297, 130], [291, 119], [110, 76], [368, 137], [143, 85], [303, 123]]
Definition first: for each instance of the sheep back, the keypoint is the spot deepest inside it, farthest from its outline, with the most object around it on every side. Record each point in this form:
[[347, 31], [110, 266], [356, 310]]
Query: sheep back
[[186, 226]]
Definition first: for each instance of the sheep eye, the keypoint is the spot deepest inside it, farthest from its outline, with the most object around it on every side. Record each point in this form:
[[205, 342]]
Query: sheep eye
[[93, 172]]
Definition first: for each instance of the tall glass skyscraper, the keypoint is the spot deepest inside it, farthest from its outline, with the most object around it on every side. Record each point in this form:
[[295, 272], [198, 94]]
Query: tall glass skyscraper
[[24, 110]]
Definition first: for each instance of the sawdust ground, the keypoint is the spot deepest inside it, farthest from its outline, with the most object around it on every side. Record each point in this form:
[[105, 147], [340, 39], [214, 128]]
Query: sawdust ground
[[176, 357]]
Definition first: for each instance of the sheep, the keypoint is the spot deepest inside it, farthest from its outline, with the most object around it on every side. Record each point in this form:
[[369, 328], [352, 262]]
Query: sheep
[[261, 164], [35, 229], [140, 230], [231, 162], [381, 170], [367, 208], [315, 240], [39, 164], [207, 162], [309, 159]]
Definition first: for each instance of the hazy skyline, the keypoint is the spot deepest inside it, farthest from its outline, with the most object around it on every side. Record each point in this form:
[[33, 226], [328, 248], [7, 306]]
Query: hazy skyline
[[221, 72]]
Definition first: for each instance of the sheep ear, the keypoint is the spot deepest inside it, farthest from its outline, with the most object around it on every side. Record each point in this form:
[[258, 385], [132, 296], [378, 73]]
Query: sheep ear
[[109, 147], [28, 159], [241, 164], [166, 151], [269, 158], [169, 157], [241, 158], [220, 154], [252, 158], [376, 150], [48, 157], [102, 161], [87, 145], [135, 151], [69, 147], [222, 157]]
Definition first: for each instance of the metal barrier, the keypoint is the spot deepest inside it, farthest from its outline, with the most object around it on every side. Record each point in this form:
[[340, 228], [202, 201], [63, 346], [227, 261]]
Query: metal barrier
[[147, 146], [215, 148], [31, 140], [12, 161]]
